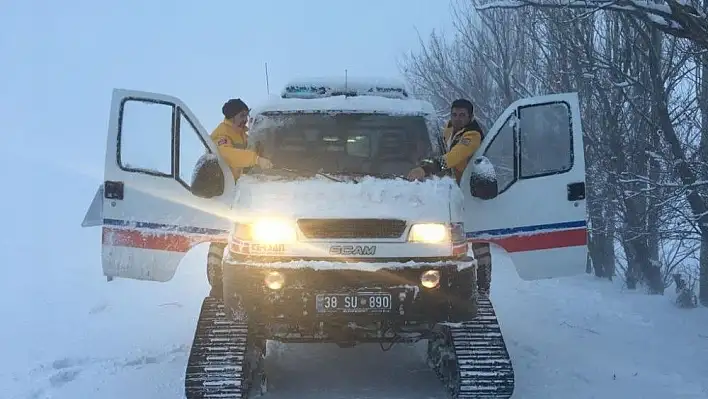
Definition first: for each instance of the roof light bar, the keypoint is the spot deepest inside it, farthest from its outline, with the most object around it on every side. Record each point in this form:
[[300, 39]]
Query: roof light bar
[[322, 89]]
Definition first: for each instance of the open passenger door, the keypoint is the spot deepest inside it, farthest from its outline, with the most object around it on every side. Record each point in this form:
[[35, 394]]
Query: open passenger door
[[537, 211], [147, 205]]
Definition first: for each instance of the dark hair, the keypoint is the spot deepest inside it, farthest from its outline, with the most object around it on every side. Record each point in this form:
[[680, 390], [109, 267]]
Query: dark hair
[[233, 107], [462, 103]]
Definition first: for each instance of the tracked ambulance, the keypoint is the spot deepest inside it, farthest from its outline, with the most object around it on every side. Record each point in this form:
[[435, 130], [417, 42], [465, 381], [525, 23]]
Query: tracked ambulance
[[334, 245]]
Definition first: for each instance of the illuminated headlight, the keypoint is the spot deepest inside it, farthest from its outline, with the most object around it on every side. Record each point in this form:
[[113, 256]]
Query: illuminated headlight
[[267, 231], [430, 279], [272, 231], [274, 280], [432, 233]]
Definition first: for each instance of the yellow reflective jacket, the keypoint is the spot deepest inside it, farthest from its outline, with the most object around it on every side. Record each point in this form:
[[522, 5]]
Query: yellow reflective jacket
[[460, 146], [231, 141]]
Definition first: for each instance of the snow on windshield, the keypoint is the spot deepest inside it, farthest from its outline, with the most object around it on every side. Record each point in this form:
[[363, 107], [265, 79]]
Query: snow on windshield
[[370, 197]]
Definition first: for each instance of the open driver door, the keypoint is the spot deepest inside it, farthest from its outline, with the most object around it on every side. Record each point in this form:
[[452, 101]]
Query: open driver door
[[150, 206], [536, 211]]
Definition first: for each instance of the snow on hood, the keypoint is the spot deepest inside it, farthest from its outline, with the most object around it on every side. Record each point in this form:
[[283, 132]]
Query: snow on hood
[[319, 197]]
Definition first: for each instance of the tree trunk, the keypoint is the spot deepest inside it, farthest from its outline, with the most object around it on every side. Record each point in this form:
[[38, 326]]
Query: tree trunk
[[702, 90], [703, 278], [687, 175], [631, 275]]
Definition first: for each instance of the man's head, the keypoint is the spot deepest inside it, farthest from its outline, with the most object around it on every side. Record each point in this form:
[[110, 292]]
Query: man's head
[[236, 111], [461, 113]]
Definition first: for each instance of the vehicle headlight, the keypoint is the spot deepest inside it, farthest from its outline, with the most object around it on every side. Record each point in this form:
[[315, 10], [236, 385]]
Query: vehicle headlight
[[430, 279], [432, 233], [267, 231]]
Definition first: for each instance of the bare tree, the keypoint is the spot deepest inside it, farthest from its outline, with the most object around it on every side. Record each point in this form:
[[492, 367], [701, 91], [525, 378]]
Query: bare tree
[[635, 105], [683, 19], [678, 19]]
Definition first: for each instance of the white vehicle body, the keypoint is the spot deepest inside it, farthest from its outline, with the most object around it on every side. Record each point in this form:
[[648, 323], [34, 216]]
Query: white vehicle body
[[434, 201], [150, 218]]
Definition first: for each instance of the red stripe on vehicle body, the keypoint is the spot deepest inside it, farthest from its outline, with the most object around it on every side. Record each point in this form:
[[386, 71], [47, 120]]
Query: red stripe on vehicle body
[[460, 249], [535, 242], [180, 242], [154, 240]]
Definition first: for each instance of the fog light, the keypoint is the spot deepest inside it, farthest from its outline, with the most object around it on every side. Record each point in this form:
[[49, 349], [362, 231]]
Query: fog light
[[430, 279], [274, 280]]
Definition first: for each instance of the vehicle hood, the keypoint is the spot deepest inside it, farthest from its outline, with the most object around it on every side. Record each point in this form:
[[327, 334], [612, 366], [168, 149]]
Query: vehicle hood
[[370, 197]]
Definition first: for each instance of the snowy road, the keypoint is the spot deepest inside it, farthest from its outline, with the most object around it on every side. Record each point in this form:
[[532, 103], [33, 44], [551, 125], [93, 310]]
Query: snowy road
[[577, 338]]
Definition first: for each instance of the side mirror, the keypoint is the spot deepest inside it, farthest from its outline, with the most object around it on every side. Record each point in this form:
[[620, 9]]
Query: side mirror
[[208, 178], [483, 180]]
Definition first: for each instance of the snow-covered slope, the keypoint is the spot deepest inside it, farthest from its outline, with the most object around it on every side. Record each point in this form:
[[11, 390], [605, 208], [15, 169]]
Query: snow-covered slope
[[72, 335]]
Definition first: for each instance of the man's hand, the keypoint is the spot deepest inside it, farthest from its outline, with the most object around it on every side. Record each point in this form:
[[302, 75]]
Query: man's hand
[[416, 174], [264, 163]]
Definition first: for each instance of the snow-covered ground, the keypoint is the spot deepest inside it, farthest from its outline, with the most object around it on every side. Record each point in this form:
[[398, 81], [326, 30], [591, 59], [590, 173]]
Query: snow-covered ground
[[69, 334]]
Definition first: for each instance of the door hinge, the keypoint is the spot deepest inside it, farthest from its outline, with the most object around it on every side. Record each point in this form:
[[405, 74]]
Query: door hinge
[[113, 190]]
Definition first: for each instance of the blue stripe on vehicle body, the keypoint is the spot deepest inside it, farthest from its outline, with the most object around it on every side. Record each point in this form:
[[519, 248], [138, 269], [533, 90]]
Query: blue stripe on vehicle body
[[163, 227], [203, 230], [528, 229]]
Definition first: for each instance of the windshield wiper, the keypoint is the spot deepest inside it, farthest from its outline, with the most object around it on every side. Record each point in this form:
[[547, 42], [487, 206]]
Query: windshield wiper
[[379, 175], [308, 171]]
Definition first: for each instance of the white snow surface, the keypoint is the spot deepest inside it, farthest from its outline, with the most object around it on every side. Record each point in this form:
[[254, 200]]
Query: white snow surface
[[319, 197], [69, 334], [485, 169]]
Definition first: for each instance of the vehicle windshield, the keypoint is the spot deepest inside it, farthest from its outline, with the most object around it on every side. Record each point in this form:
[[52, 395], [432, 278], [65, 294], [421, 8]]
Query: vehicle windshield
[[344, 144]]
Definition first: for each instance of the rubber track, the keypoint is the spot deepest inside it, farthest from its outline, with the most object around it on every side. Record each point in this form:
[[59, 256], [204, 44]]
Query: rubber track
[[484, 365], [215, 368]]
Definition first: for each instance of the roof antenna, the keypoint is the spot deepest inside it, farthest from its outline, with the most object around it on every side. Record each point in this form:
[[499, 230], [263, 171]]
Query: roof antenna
[[267, 83], [345, 80]]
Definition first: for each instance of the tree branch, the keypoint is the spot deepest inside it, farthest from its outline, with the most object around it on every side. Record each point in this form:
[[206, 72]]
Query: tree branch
[[669, 16]]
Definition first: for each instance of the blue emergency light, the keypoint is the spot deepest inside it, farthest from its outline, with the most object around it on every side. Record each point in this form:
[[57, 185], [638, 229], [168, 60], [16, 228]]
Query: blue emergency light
[[313, 89]]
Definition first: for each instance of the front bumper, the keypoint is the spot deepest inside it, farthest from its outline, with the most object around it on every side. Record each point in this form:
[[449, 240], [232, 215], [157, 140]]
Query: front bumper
[[297, 301]]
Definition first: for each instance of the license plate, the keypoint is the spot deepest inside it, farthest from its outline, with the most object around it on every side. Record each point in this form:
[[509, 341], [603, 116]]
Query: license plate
[[359, 302]]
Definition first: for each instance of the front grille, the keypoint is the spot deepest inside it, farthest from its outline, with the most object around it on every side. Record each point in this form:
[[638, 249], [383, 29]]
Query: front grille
[[352, 228]]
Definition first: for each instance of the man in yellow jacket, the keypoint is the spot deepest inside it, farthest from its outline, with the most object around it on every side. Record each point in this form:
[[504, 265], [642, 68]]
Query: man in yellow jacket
[[231, 139], [463, 136], [231, 142]]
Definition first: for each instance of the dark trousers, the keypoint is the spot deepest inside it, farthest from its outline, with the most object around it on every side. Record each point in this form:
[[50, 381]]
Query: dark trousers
[[214, 258], [484, 266]]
